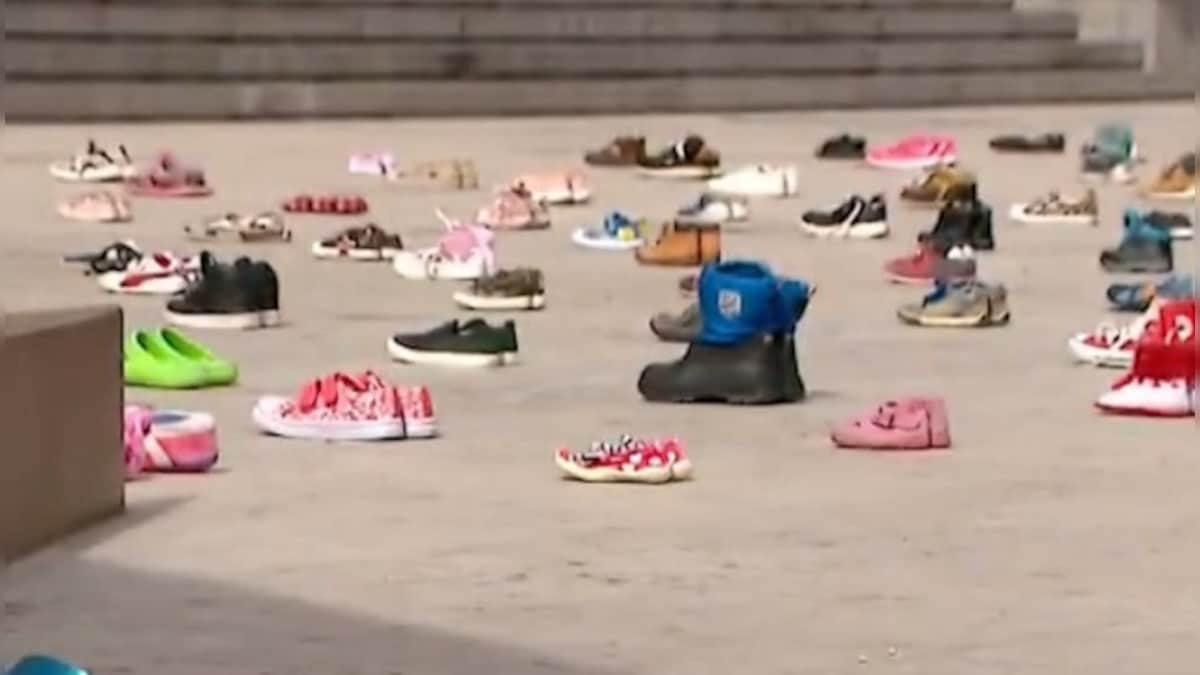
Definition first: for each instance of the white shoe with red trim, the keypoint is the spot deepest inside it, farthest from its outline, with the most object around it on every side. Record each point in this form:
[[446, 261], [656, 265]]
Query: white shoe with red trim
[[628, 460], [1110, 346], [153, 274]]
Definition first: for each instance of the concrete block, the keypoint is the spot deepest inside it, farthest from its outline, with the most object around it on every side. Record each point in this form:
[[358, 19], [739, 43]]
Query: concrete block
[[61, 463]]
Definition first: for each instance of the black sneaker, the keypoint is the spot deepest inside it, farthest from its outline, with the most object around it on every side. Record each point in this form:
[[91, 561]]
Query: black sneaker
[[843, 147], [1139, 255], [961, 223], [758, 371], [472, 344], [1041, 143], [856, 218], [239, 296]]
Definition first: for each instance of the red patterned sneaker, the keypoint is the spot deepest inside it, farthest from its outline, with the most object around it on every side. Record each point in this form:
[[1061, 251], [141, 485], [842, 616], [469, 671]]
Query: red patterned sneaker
[[349, 408], [628, 460]]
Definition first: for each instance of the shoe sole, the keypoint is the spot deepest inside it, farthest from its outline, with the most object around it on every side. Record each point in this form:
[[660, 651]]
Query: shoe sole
[[168, 285], [1017, 213], [239, 321], [680, 173], [450, 359], [480, 302], [1136, 269], [580, 238], [1171, 196], [956, 322], [912, 164], [361, 255], [338, 431], [649, 476], [1144, 412], [874, 230]]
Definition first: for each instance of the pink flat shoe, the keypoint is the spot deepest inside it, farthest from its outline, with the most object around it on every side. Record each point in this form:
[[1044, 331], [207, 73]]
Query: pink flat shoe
[[914, 152], [179, 441], [137, 427], [914, 423], [514, 209], [559, 187]]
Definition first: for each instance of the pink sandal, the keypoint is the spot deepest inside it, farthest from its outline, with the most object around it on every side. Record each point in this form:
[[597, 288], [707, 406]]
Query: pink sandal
[[167, 177], [913, 423], [96, 207], [514, 209], [560, 187]]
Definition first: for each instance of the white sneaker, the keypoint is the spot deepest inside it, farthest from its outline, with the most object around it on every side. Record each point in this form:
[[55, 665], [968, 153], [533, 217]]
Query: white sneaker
[[710, 209], [763, 180], [1134, 395], [464, 252], [1110, 346], [153, 274]]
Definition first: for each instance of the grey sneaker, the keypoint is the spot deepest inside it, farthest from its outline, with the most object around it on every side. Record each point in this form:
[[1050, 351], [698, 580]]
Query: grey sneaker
[[962, 304], [681, 327]]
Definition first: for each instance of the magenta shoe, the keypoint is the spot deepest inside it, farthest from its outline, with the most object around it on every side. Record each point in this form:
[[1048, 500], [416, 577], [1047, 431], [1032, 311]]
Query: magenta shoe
[[914, 423]]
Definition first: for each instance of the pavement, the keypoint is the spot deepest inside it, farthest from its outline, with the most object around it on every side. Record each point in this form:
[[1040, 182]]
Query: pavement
[[1049, 540]]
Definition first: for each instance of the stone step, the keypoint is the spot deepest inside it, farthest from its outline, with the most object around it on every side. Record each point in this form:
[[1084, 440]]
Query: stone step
[[58, 59], [92, 100], [114, 20]]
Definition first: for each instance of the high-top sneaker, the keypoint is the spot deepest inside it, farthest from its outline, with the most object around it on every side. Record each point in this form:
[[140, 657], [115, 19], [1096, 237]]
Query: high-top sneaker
[[1143, 249], [962, 222], [1161, 382], [683, 246], [743, 373]]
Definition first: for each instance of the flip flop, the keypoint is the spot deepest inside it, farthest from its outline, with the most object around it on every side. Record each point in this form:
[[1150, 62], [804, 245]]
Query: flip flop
[[262, 227], [96, 207]]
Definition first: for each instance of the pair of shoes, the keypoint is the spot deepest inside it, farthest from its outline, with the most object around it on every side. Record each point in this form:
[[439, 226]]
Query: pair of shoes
[[682, 245], [167, 359], [346, 407], [474, 344], [1161, 381], [1144, 248], [168, 441], [243, 295], [913, 423], [959, 304], [463, 252], [855, 218], [744, 348], [627, 460], [515, 289]]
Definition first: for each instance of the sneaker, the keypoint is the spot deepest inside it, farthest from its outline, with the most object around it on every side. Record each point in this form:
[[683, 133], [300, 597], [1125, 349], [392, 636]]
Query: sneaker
[[1143, 249], [618, 232], [1177, 181], [1138, 297], [681, 327], [1178, 225], [844, 146], [855, 218], [711, 209], [1051, 142], [621, 151], [1055, 209], [159, 273], [95, 165], [1160, 383], [762, 180], [554, 187], [343, 407], [1110, 346], [115, 257], [914, 152], [628, 460], [689, 158], [961, 304], [928, 265], [514, 208], [962, 223], [915, 423], [368, 242], [938, 185], [521, 288], [168, 359], [464, 252], [682, 246], [240, 296], [472, 344], [1111, 155]]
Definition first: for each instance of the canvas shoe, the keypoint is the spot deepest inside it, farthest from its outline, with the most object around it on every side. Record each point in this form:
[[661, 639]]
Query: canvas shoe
[[159, 273], [516, 289], [1055, 209], [514, 208], [854, 218], [1143, 248], [712, 209], [914, 152], [464, 252], [1110, 346], [762, 180], [927, 265], [914, 423], [618, 232], [628, 460], [960, 304], [244, 295], [474, 344], [690, 158], [1160, 383], [344, 407]]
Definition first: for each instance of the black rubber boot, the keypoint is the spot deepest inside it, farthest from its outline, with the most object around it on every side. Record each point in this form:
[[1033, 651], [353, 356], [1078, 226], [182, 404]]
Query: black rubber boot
[[789, 370], [747, 373]]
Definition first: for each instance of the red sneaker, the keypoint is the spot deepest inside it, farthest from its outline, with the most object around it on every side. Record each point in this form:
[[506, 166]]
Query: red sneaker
[[926, 266], [1161, 382], [349, 407], [628, 460]]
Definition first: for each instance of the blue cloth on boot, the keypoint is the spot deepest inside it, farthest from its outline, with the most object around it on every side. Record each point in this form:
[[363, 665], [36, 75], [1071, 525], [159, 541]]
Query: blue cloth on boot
[[740, 299]]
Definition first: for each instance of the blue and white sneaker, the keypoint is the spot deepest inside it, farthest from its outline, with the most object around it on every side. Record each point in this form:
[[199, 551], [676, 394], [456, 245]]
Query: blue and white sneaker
[[710, 209]]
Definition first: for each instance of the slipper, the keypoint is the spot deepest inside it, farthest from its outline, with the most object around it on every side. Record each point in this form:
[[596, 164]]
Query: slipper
[[372, 163], [171, 441], [167, 177], [96, 207], [343, 205], [368, 242], [556, 187], [447, 174], [95, 165], [266, 226]]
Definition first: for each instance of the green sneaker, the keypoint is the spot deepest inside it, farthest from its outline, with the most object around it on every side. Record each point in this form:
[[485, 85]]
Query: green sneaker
[[220, 372]]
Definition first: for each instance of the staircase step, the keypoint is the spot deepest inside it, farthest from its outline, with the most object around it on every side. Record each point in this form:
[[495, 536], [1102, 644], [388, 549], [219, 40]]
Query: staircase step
[[59, 59], [576, 22], [91, 100]]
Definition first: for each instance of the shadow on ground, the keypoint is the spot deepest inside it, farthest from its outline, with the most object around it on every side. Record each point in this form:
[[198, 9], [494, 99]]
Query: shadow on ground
[[119, 621]]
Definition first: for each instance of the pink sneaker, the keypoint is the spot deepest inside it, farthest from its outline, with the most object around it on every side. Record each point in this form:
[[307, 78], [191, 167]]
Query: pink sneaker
[[628, 460], [515, 209], [914, 152], [346, 407], [137, 427], [556, 187], [907, 424], [181, 442]]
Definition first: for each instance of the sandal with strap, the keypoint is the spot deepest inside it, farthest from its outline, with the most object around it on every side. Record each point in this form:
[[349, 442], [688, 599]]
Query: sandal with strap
[[168, 177], [96, 207], [262, 227], [368, 242]]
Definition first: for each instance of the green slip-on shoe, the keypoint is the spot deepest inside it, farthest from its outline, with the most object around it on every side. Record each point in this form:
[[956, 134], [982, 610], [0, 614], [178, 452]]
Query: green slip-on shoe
[[148, 363], [219, 371]]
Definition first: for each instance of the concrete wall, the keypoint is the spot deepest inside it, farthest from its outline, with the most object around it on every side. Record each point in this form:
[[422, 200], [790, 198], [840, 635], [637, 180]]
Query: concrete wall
[[61, 401]]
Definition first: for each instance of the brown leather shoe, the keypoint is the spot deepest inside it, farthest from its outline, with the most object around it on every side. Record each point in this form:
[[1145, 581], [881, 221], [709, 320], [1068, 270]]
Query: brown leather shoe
[[682, 246], [621, 151]]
